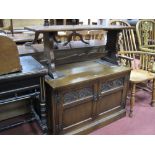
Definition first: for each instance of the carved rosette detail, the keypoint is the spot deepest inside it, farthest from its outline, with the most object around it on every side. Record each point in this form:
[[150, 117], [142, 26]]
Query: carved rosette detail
[[112, 84], [77, 94]]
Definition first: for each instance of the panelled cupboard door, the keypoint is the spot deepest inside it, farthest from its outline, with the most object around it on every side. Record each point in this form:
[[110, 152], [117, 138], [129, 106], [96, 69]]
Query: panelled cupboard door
[[112, 94], [77, 105]]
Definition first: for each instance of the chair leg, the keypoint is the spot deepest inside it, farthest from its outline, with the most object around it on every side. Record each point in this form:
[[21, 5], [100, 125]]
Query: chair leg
[[153, 94], [132, 100]]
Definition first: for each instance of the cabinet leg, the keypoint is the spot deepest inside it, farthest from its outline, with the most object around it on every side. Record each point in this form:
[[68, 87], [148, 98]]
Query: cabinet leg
[[153, 94], [132, 100]]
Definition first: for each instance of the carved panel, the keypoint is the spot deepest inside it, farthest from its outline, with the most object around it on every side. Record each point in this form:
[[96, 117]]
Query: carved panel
[[77, 94], [112, 84], [71, 96]]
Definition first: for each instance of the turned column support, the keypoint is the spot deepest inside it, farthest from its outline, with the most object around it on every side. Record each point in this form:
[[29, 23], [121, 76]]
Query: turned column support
[[112, 45], [43, 109], [132, 100], [153, 94]]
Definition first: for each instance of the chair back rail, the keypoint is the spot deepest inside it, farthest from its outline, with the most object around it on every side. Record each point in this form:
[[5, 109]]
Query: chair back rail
[[128, 38], [126, 41]]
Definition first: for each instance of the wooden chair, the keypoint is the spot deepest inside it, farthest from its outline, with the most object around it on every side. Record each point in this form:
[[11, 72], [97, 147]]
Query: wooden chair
[[145, 30], [140, 62]]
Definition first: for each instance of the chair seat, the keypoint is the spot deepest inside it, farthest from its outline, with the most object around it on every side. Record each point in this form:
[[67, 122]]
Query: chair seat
[[139, 75]]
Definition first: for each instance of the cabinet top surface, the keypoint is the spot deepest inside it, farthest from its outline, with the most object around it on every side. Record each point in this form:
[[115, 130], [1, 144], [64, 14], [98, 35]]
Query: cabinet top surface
[[75, 27], [30, 67], [84, 71]]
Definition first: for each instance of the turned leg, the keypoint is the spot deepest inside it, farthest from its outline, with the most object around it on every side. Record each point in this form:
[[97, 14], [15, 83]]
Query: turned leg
[[43, 118], [153, 94], [132, 100], [112, 44]]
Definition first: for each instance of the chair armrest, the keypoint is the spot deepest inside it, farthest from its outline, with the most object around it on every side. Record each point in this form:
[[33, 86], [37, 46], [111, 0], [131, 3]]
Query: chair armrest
[[131, 52], [125, 57], [126, 60]]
